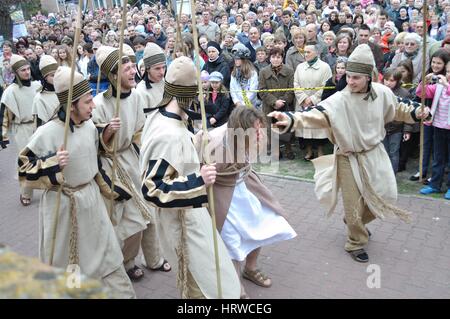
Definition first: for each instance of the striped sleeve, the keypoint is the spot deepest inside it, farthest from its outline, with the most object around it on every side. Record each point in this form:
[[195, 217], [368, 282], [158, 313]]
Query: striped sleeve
[[103, 180], [136, 142], [5, 122], [103, 147], [163, 188], [39, 172], [405, 110]]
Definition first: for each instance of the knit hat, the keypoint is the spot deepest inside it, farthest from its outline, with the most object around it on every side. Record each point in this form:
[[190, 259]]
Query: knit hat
[[204, 75], [108, 58], [215, 45], [216, 77], [153, 54], [361, 60], [62, 83], [47, 65], [17, 62], [128, 51], [180, 83]]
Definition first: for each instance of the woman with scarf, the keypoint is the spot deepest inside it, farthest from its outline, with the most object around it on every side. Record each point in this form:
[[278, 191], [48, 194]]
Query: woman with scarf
[[413, 52], [244, 77]]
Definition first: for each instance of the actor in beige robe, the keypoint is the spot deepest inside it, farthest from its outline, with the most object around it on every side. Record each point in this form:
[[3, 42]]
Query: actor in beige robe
[[360, 165], [84, 236], [170, 167]]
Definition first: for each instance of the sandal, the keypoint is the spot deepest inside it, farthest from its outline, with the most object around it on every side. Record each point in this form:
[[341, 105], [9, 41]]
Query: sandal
[[135, 273], [359, 255], [25, 201], [257, 277], [165, 267]]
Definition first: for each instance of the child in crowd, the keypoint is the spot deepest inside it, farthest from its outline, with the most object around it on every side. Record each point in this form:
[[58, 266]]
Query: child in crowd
[[440, 111]]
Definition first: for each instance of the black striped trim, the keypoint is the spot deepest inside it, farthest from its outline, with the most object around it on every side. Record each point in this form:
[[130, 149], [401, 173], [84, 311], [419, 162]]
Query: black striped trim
[[49, 172], [180, 91], [123, 195], [154, 59], [46, 70], [292, 121], [136, 148], [16, 66], [79, 90], [3, 117], [110, 62], [192, 182]]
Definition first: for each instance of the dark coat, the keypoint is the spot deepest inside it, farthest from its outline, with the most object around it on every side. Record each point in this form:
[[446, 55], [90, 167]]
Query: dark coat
[[268, 80], [220, 109], [220, 65]]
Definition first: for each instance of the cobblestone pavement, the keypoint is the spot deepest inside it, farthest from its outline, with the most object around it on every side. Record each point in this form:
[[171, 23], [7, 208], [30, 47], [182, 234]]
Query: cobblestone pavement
[[413, 259]]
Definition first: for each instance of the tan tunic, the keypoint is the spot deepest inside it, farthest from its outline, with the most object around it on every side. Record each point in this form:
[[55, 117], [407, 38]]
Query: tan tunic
[[132, 216], [356, 127], [150, 97], [45, 104], [171, 171], [98, 250], [16, 112]]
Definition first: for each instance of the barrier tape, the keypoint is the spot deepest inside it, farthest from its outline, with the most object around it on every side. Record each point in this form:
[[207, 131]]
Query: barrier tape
[[407, 85]]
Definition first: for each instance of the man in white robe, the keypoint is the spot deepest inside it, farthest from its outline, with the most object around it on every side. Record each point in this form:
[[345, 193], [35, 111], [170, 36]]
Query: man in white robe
[[84, 236], [151, 88], [45, 103], [174, 183], [16, 114], [133, 217]]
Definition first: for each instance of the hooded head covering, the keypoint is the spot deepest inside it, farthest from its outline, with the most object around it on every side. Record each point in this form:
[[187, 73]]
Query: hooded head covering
[[180, 83], [47, 65], [108, 58], [17, 62], [361, 60], [62, 84], [153, 54]]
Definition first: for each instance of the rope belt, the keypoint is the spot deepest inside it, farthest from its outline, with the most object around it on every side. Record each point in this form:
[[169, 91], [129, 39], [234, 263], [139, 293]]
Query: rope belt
[[73, 237], [232, 170], [125, 179]]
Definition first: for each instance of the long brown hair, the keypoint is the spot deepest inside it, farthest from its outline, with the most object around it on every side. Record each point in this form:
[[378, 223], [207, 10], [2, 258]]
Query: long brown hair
[[247, 69]]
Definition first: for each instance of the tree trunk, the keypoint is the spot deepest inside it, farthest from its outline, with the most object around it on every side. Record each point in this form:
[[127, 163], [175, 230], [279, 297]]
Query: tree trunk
[[6, 25]]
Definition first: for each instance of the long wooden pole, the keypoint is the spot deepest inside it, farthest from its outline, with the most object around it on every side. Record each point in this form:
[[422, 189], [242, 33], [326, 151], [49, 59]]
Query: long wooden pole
[[117, 109], [424, 58], [205, 142], [66, 125]]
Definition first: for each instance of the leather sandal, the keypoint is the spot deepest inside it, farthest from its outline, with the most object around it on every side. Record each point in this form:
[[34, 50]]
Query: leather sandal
[[25, 201], [257, 277], [165, 267], [135, 273], [359, 255]]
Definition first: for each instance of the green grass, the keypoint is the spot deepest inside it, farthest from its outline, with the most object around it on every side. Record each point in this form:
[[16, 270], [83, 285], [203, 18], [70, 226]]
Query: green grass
[[299, 168]]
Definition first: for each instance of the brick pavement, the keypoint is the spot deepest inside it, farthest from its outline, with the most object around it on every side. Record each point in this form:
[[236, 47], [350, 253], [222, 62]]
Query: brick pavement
[[414, 259]]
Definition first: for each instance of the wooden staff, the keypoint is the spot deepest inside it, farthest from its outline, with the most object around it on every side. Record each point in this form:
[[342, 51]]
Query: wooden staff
[[204, 144], [117, 110], [66, 125], [99, 76], [424, 55]]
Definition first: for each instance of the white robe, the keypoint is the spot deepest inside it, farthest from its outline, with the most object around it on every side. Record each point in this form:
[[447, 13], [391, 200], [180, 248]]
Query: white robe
[[98, 250]]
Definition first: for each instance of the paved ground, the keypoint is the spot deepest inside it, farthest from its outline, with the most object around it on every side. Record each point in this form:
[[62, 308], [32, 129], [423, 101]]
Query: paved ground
[[413, 259]]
